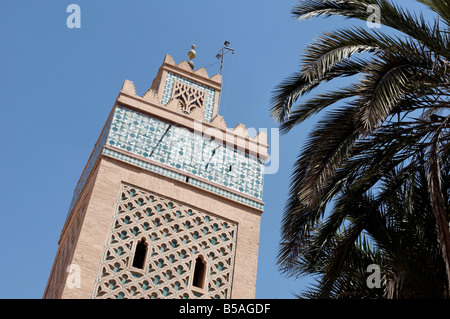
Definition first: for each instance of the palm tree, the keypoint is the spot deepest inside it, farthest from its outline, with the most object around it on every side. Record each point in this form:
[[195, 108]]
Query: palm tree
[[394, 229], [395, 108]]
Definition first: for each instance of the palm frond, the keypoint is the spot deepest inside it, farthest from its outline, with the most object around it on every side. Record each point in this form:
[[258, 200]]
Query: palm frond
[[375, 168], [296, 85], [305, 110], [441, 7], [392, 16]]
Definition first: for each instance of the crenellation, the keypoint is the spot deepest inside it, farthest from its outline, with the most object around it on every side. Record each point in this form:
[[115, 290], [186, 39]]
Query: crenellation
[[184, 65], [197, 114], [152, 96], [261, 138], [175, 105], [217, 121], [128, 87], [241, 130], [202, 72]]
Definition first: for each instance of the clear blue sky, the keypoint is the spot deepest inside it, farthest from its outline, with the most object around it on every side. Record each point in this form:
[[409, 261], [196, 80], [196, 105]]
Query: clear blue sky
[[59, 84]]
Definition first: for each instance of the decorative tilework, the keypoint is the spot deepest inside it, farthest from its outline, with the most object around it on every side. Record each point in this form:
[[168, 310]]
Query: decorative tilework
[[181, 149], [225, 193], [181, 177], [210, 93], [144, 165]]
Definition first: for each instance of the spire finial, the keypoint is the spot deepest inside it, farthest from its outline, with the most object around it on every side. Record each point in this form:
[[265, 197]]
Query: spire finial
[[191, 55]]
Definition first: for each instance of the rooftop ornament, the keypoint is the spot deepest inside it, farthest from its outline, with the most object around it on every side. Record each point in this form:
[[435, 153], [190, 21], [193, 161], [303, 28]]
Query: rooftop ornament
[[191, 55]]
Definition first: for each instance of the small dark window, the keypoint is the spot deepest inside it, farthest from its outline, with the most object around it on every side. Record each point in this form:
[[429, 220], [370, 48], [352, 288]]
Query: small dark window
[[231, 167], [139, 254], [199, 273], [187, 179]]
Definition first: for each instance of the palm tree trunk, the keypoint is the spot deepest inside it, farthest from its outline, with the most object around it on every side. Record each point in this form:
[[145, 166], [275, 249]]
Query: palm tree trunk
[[437, 202]]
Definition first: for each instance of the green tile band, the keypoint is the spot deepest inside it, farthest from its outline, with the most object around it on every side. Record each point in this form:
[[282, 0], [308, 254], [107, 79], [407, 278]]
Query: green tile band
[[183, 150], [181, 177]]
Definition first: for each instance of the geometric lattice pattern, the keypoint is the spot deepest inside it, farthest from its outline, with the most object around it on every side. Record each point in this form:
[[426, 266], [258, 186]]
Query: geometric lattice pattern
[[176, 235], [209, 93], [190, 97]]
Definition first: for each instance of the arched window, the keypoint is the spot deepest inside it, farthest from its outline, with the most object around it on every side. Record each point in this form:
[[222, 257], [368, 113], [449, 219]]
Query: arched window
[[140, 253], [199, 272]]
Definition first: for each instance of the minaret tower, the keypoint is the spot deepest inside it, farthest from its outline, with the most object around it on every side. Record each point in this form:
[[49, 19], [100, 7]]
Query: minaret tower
[[170, 200]]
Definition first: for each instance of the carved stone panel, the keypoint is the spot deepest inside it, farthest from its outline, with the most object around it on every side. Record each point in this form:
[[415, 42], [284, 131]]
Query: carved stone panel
[[190, 97]]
